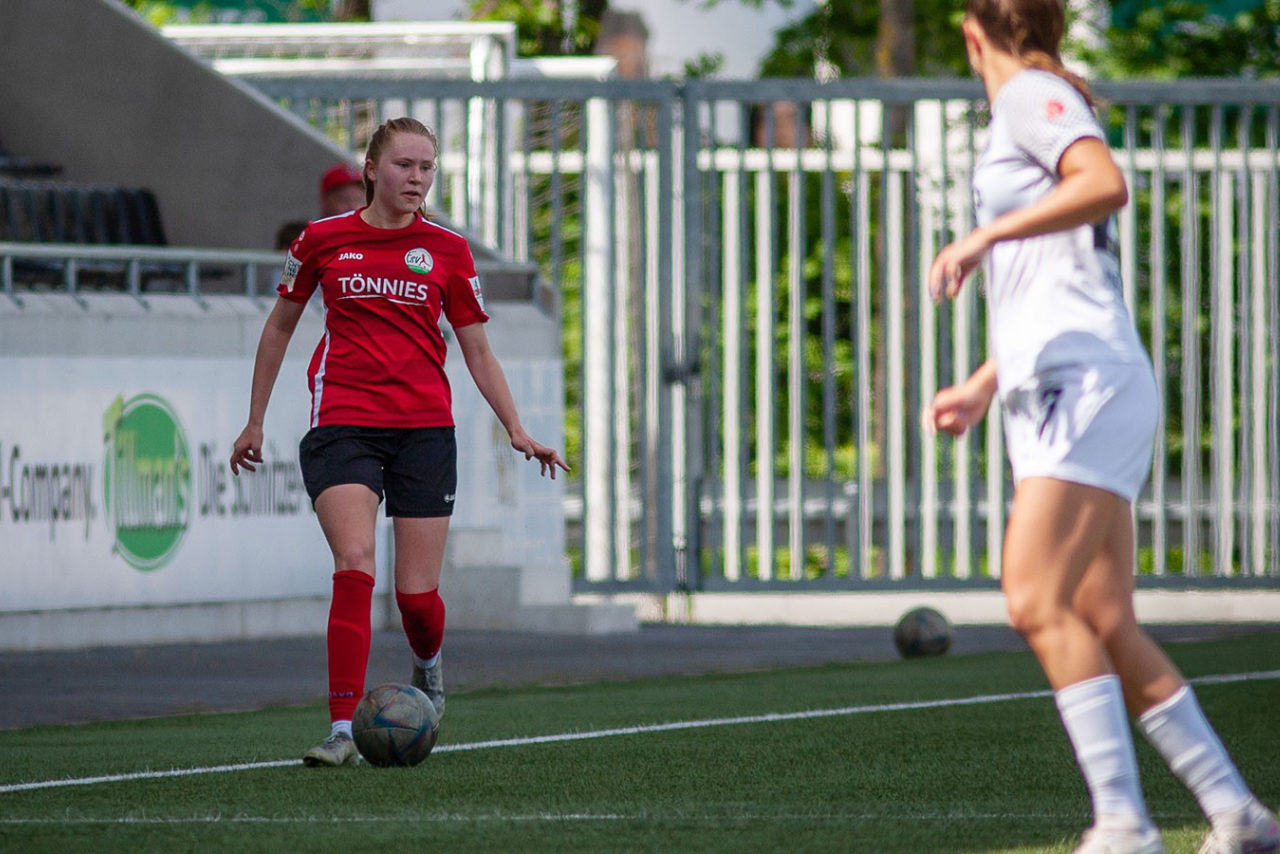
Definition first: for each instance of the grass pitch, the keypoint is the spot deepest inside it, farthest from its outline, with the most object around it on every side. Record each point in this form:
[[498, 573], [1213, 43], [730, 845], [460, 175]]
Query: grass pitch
[[956, 754]]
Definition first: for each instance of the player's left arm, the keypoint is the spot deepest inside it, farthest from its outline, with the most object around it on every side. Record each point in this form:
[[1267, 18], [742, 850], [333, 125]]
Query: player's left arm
[[487, 373], [1090, 187]]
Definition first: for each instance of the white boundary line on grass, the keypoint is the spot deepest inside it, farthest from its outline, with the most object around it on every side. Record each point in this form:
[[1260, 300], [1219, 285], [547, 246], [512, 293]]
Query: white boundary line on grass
[[631, 730]]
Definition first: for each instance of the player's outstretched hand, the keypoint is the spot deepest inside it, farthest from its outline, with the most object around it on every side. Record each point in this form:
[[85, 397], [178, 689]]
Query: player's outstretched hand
[[548, 458], [957, 408], [954, 264], [246, 453]]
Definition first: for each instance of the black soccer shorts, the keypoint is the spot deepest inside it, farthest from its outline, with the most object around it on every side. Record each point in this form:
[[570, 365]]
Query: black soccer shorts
[[414, 468]]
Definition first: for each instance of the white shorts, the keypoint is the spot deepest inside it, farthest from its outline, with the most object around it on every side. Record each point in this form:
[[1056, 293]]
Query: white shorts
[[1094, 425]]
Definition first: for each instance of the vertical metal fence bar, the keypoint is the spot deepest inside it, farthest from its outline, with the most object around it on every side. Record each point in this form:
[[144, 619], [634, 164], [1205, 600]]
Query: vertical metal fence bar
[[648, 368], [1222, 360], [498, 176], [830, 363], [598, 441], [895, 451], [911, 352], [732, 403], [1273, 324], [1257, 481], [686, 278], [796, 373], [522, 189], [1156, 263], [764, 392], [708, 494], [1242, 287], [962, 451], [946, 454], [556, 249], [622, 243], [133, 278], [1190, 338], [459, 201], [861, 547], [922, 182], [1128, 217], [474, 144], [664, 420]]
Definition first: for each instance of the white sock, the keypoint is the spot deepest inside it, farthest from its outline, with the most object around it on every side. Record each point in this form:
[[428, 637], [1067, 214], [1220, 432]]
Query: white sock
[[1179, 730], [343, 727], [1093, 713], [424, 663]]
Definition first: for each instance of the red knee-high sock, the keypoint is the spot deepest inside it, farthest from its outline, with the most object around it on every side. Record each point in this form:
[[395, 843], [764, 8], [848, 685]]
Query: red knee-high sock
[[349, 636], [423, 617]]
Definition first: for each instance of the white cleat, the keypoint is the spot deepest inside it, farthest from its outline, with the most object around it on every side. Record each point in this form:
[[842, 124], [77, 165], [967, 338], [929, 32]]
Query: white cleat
[[1250, 830], [1112, 839], [337, 749]]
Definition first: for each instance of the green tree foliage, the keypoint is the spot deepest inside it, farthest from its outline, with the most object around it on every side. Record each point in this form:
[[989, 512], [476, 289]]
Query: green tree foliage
[[541, 25], [843, 36], [1185, 38], [161, 12]]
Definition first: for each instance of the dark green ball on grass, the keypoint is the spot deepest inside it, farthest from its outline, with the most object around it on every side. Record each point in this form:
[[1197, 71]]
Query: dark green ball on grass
[[922, 632]]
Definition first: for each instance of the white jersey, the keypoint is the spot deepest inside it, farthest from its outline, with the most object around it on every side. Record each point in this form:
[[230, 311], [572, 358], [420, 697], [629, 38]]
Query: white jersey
[[1055, 299]]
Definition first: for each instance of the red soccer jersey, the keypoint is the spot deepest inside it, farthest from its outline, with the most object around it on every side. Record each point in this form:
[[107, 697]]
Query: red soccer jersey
[[380, 362]]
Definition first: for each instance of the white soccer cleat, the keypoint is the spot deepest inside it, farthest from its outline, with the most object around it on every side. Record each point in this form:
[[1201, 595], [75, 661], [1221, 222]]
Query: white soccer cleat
[[337, 749], [430, 681], [1251, 830], [1121, 840]]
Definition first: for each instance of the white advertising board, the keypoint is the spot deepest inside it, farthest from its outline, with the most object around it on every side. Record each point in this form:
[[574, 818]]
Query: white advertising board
[[115, 490]]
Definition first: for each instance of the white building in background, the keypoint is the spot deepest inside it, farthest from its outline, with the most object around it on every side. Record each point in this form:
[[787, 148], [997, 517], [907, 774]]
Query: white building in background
[[679, 30]]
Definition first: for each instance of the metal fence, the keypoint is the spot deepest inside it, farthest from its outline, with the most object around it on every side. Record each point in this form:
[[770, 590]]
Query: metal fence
[[748, 339]]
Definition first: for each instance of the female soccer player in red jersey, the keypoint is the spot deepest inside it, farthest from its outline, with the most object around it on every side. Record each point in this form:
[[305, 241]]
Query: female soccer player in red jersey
[[1080, 411], [381, 415]]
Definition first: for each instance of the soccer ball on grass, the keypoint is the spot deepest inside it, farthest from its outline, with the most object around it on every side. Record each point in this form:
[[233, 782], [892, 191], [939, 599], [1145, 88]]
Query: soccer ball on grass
[[922, 632], [395, 725]]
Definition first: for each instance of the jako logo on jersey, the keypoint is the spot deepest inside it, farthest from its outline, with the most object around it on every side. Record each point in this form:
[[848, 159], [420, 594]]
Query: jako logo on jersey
[[419, 261], [351, 256], [1053, 109]]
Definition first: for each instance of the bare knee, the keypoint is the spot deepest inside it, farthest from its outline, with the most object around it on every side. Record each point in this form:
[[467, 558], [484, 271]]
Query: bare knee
[[359, 558], [1032, 612]]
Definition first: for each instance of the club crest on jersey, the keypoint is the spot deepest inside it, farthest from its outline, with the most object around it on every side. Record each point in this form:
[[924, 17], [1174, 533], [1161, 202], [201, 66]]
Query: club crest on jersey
[[419, 261]]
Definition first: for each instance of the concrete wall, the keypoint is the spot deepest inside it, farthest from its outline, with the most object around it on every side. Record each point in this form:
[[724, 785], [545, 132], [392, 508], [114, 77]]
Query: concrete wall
[[89, 85]]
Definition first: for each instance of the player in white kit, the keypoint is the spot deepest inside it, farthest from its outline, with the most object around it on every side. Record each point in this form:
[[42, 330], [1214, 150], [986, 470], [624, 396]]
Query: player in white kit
[[1080, 409]]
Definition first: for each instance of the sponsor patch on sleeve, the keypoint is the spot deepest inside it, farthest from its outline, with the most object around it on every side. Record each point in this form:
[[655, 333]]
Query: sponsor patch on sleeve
[[1053, 109], [475, 289], [290, 274]]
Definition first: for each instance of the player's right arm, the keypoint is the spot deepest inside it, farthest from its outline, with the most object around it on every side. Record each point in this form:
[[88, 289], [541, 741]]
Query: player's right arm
[[957, 408], [276, 333]]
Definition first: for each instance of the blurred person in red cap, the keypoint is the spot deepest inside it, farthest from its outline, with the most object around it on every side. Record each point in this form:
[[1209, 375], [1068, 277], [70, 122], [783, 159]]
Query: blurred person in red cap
[[341, 190]]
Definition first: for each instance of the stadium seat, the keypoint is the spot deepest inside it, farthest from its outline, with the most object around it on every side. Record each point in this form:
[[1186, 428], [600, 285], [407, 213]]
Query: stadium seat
[[84, 214]]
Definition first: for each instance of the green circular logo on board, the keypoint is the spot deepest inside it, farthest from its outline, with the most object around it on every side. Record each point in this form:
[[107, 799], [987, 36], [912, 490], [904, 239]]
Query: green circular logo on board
[[147, 479]]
